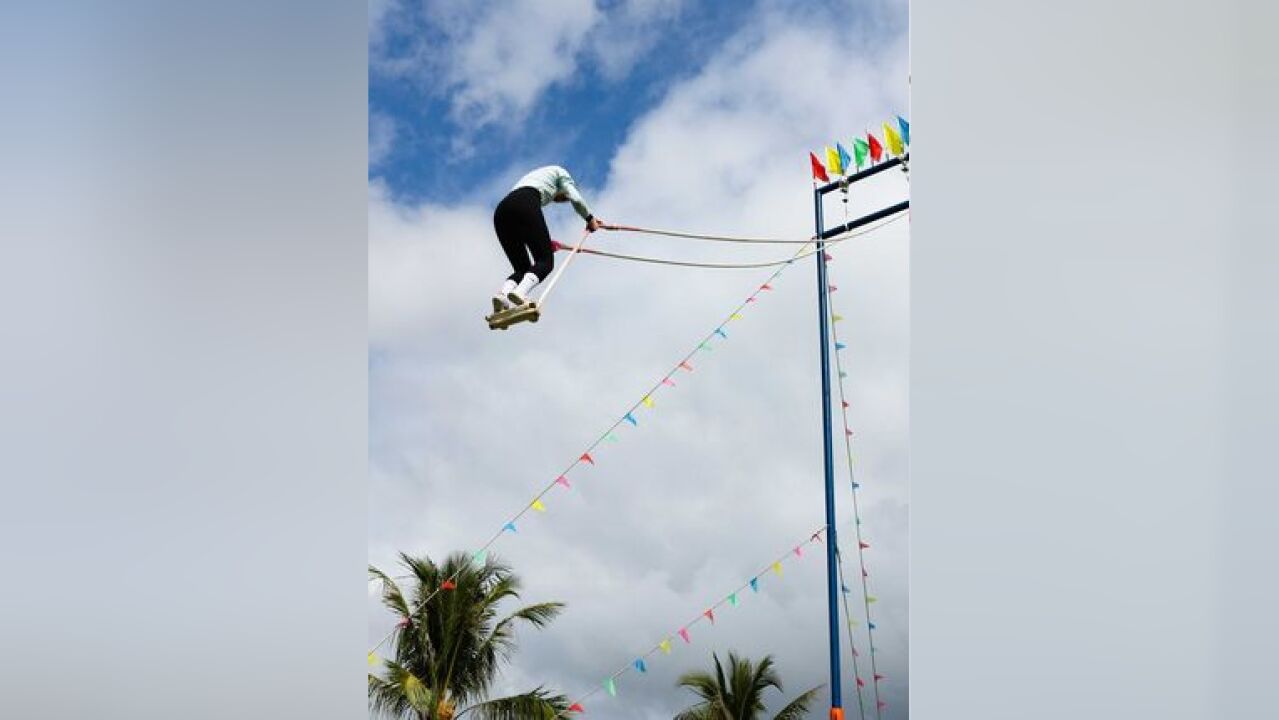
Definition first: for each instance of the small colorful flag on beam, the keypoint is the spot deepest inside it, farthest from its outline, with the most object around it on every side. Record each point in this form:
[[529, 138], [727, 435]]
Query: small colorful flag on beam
[[639, 665], [668, 382], [829, 257], [799, 552], [561, 480], [860, 682], [611, 437], [648, 401], [611, 687], [665, 645], [860, 150], [754, 584], [876, 150], [765, 286], [836, 318], [832, 288], [509, 527], [686, 366], [735, 316], [683, 632], [878, 677], [832, 161], [905, 126], [863, 545], [845, 162], [840, 346], [720, 332], [586, 458], [704, 346], [871, 599], [538, 506], [710, 615], [631, 419], [894, 140], [844, 588], [872, 627], [819, 172], [777, 567], [732, 599]]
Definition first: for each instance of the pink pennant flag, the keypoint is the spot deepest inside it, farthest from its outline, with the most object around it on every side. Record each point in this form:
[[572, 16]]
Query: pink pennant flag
[[878, 677], [586, 457], [832, 288], [683, 632], [861, 683], [848, 432], [862, 545], [864, 573], [817, 536], [765, 286], [855, 653], [563, 481], [845, 404], [750, 299], [403, 623], [830, 258], [710, 615], [668, 382], [798, 551], [881, 704], [686, 366]]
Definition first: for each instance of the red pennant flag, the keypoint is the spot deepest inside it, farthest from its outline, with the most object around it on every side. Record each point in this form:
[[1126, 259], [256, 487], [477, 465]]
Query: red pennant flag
[[862, 545], [683, 632], [861, 683], [845, 404], [765, 286], [881, 704], [710, 615], [448, 585], [586, 457], [864, 574], [819, 170], [686, 366], [817, 536], [750, 299], [878, 677], [876, 150], [576, 707]]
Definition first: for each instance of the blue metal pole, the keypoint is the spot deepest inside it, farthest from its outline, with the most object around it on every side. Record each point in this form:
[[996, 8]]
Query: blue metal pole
[[832, 568]]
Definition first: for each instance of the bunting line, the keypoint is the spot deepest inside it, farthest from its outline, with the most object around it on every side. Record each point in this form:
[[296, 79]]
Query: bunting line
[[639, 663], [862, 545], [646, 400]]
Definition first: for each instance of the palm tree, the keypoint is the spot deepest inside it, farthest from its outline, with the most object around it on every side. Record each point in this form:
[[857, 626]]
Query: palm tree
[[739, 696], [450, 643]]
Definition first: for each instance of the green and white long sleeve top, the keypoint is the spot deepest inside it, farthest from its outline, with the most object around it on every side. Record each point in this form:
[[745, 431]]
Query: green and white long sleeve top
[[553, 180]]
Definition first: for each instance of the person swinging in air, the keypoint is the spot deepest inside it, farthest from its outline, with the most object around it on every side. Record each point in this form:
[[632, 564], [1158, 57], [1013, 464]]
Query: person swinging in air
[[521, 230]]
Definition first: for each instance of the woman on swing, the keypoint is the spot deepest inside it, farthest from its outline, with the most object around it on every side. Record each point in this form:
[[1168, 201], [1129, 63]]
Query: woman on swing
[[521, 229]]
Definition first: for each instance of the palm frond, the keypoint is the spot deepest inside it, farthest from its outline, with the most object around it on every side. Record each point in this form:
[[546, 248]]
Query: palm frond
[[538, 704], [798, 708]]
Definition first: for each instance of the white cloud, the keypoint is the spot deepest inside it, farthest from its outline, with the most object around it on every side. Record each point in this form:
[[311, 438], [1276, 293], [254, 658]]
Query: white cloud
[[725, 471]]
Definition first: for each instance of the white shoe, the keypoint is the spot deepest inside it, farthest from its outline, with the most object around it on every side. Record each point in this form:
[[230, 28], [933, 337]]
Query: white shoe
[[520, 295]]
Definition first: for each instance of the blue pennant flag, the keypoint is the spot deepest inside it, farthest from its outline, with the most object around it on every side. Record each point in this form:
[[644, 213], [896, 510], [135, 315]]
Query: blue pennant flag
[[840, 346], [844, 588], [509, 526], [639, 665], [856, 485], [844, 161], [755, 584], [720, 332], [905, 126], [872, 627], [631, 419]]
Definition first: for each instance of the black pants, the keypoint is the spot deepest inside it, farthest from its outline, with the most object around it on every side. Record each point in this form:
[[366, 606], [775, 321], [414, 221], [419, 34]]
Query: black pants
[[522, 231]]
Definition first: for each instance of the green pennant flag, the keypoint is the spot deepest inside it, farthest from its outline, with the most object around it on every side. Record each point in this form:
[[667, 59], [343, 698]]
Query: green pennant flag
[[732, 599], [610, 687], [860, 149]]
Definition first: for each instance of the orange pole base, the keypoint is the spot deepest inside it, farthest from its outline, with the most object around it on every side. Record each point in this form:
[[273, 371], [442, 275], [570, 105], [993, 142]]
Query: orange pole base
[[836, 714]]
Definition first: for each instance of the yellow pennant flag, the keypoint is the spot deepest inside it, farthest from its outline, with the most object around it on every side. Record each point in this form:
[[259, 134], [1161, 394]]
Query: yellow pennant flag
[[666, 646], [836, 318], [538, 506], [832, 161], [894, 140], [372, 659], [777, 567], [735, 316], [648, 401]]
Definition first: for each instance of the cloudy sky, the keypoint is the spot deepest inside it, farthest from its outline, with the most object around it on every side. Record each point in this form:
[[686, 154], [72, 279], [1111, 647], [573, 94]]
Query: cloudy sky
[[672, 114]]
